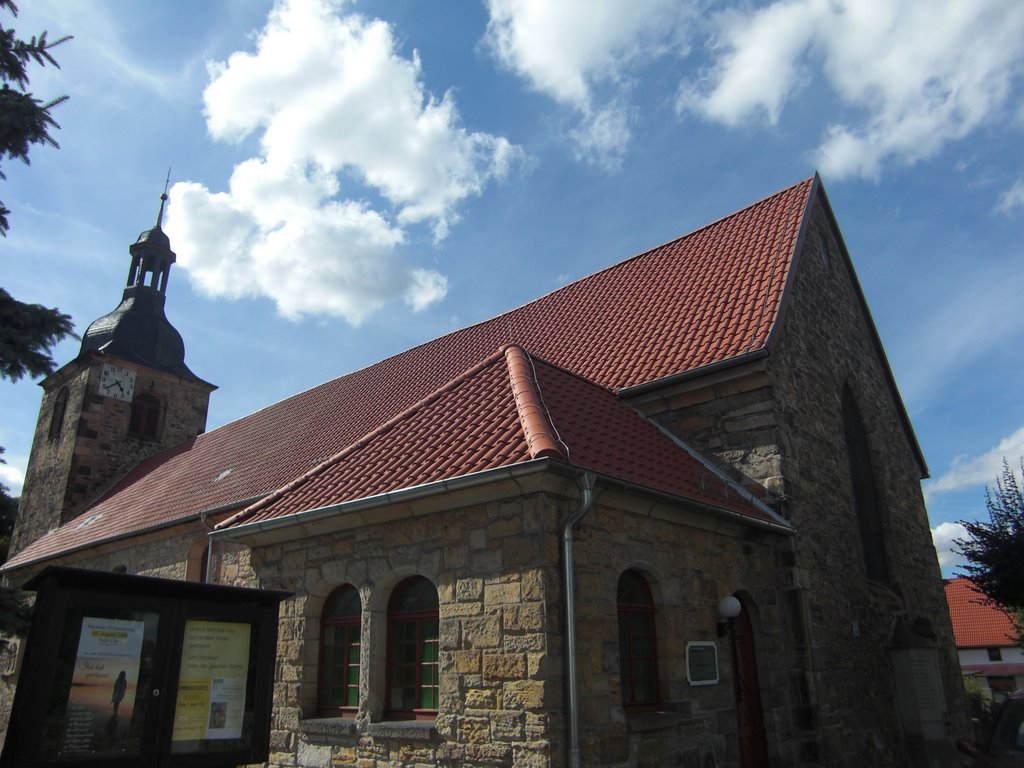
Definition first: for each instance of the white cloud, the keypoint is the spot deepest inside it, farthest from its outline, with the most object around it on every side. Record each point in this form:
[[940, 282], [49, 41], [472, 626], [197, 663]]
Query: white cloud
[[602, 137], [919, 74], [1012, 198], [981, 470], [12, 477], [943, 536], [331, 101], [569, 49]]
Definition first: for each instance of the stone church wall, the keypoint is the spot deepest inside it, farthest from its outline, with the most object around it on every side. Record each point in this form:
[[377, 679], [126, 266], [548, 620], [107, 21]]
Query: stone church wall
[[497, 570], [497, 587], [690, 563], [783, 427], [825, 345]]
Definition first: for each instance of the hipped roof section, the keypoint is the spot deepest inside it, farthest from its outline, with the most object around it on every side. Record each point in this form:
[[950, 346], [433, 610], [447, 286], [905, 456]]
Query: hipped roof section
[[702, 299], [506, 410]]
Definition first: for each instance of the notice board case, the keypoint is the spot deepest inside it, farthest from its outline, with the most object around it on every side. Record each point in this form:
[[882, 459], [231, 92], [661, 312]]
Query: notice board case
[[139, 672]]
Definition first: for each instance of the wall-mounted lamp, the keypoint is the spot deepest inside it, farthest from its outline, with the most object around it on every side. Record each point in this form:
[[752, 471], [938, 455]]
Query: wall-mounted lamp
[[728, 608]]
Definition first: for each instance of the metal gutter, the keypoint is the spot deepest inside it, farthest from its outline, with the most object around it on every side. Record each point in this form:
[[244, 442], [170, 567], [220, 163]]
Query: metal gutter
[[719, 512], [137, 532], [692, 373], [512, 472]]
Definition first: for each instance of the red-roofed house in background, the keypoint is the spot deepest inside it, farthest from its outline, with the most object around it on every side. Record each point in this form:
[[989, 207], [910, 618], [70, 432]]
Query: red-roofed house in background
[[515, 545], [986, 640]]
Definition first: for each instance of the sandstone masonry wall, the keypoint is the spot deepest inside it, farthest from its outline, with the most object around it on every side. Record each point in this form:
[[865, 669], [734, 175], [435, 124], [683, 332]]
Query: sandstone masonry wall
[[500, 693], [783, 427]]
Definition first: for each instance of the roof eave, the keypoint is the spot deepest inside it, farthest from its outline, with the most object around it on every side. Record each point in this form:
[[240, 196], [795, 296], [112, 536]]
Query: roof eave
[[341, 516], [692, 373], [320, 520], [7, 568]]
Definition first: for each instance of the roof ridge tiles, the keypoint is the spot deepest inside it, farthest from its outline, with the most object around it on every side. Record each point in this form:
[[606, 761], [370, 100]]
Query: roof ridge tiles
[[360, 442], [542, 438]]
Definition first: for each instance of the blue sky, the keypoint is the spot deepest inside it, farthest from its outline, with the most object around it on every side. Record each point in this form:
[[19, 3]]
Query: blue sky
[[350, 179]]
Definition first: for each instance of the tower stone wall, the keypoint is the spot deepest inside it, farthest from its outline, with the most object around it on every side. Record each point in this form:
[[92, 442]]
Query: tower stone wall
[[95, 447]]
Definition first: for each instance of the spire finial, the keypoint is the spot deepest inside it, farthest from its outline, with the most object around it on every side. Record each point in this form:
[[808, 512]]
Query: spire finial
[[163, 199]]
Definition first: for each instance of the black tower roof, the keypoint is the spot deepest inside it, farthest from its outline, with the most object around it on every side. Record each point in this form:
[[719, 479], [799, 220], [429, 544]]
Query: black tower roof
[[138, 330]]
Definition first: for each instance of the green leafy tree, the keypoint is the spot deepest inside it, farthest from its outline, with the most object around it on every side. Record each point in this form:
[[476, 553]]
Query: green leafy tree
[[28, 332], [995, 548], [24, 119]]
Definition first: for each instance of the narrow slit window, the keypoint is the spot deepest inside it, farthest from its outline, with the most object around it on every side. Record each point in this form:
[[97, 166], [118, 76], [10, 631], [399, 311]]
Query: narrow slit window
[[638, 647]]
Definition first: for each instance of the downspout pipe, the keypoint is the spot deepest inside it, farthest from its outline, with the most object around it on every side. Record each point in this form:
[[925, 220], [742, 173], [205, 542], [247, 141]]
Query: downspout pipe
[[586, 484], [209, 547]]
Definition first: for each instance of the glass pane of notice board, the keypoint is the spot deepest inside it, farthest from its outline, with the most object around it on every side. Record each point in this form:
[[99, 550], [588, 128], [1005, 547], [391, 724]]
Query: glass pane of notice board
[[214, 701], [101, 689]]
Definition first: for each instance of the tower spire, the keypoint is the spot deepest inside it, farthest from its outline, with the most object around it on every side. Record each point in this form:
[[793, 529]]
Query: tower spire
[[163, 199]]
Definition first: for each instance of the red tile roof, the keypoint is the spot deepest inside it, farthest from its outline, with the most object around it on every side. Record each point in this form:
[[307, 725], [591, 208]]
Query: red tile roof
[[976, 623], [478, 421], [704, 298]]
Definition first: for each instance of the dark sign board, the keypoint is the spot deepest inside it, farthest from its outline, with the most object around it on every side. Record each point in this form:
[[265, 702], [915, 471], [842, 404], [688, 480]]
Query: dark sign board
[[135, 671]]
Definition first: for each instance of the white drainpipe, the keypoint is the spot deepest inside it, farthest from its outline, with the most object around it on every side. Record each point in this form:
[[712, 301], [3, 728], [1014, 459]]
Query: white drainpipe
[[586, 482]]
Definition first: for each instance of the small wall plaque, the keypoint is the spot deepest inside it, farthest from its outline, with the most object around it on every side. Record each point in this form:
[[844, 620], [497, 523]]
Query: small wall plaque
[[701, 663]]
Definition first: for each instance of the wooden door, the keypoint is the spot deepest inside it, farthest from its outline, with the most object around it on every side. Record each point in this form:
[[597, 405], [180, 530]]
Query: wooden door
[[753, 742]]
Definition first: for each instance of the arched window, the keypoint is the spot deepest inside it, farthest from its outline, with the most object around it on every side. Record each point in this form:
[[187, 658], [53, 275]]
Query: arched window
[[145, 420], [638, 647], [338, 693], [60, 407], [865, 502], [412, 650]]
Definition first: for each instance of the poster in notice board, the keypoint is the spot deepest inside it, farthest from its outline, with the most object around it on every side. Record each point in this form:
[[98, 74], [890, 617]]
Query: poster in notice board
[[101, 699], [211, 700]]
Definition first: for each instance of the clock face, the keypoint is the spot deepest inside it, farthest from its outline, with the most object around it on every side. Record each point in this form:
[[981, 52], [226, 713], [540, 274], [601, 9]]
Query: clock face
[[117, 382]]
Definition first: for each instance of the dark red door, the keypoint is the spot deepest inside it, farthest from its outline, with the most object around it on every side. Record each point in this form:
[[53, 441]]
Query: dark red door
[[753, 743]]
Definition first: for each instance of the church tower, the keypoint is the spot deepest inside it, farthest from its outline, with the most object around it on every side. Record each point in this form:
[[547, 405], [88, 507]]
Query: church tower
[[126, 396]]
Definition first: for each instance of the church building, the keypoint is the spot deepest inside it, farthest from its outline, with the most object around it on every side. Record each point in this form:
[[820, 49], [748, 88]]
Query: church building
[[667, 515]]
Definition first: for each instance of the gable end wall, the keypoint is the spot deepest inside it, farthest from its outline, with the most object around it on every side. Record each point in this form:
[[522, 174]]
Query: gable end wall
[[785, 432]]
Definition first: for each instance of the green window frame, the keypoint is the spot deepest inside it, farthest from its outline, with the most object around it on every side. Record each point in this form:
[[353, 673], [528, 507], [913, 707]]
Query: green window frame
[[340, 651], [412, 663]]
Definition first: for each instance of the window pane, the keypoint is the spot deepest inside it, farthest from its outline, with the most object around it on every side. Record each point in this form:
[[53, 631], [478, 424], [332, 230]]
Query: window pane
[[429, 698], [638, 667], [342, 602], [414, 595], [633, 589]]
